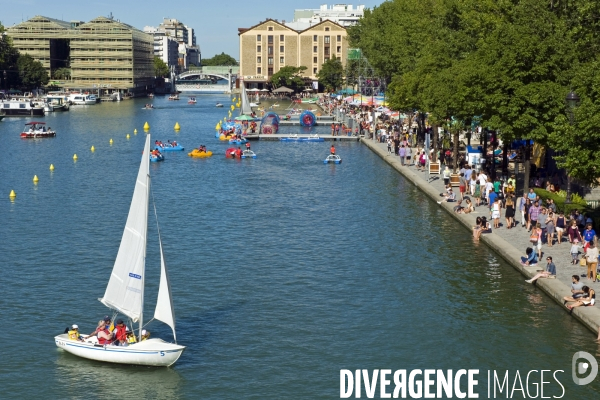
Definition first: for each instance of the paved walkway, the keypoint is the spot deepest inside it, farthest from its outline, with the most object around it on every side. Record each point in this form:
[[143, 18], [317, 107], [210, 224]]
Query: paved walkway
[[509, 243]]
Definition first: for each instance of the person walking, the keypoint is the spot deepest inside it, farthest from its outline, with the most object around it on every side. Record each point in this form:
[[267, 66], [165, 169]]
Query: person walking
[[591, 258], [509, 214]]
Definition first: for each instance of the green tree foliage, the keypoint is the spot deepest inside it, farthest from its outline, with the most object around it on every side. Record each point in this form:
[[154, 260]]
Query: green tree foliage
[[8, 61], [219, 59], [331, 74], [160, 68], [511, 63], [32, 73], [62, 73], [289, 76]]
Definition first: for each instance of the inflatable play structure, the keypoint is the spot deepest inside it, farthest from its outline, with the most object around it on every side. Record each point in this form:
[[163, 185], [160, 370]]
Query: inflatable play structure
[[307, 118], [269, 123]]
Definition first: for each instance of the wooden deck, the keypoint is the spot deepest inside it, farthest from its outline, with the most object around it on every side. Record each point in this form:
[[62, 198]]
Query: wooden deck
[[279, 136]]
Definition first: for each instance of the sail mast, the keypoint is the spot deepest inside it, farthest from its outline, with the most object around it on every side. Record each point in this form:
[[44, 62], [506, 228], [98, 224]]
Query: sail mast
[[146, 154]]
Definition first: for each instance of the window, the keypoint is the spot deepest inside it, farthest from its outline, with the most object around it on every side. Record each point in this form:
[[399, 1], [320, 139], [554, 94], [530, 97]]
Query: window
[[259, 71], [258, 49], [326, 58], [315, 60], [270, 39], [315, 49], [327, 39], [258, 38], [339, 49], [270, 71], [281, 60], [326, 51], [339, 38], [270, 60], [314, 71], [281, 50], [270, 50], [258, 60], [281, 38], [270, 28], [327, 28], [314, 38]]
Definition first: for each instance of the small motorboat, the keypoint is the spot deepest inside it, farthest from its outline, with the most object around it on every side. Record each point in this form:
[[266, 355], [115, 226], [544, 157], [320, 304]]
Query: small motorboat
[[174, 96], [168, 146], [238, 141], [37, 130], [333, 159], [148, 107], [219, 105], [192, 100], [248, 154], [200, 154], [151, 95]]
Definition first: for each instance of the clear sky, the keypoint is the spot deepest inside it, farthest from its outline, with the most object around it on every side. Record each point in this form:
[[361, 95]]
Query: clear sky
[[215, 22]]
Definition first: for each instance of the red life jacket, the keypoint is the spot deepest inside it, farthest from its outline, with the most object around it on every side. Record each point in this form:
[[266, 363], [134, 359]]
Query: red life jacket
[[121, 333], [103, 340]]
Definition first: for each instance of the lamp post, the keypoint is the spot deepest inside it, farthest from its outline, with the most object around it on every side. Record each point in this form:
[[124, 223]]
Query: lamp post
[[5, 81], [572, 101]]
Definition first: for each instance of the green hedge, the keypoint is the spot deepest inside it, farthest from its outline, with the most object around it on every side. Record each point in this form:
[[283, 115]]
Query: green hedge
[[577, 204]]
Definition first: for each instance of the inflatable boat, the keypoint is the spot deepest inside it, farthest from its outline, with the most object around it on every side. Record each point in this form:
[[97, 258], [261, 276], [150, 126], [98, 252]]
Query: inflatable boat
[[200, 154], [167, 147]]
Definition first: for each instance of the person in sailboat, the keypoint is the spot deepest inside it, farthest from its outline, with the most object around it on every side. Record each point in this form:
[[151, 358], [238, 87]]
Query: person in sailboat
[[103, 332], [130, 336], [120, 334], [145, 334], [74, 333]]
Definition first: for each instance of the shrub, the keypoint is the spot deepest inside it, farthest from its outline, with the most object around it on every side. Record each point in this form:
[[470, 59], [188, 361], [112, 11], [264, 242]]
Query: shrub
[[577, 203]]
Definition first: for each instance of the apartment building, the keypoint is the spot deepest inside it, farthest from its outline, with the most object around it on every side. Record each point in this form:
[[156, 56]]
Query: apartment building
[[270, 45]]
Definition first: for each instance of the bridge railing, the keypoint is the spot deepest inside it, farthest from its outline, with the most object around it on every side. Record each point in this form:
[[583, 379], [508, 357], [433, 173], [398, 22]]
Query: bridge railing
[[217, 69]]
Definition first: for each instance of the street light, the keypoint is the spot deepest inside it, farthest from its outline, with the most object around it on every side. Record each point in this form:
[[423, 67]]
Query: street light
[[572, 101], [5, 81]]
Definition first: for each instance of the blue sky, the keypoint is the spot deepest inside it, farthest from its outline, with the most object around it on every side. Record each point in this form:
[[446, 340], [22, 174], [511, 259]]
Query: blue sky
[[215, 22]]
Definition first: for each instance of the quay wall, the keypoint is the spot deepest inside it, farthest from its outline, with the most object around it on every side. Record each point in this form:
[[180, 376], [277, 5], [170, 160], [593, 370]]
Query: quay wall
[[556, 289]]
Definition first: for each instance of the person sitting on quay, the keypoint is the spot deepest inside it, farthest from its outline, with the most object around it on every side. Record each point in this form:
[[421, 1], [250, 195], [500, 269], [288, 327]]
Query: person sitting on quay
[[576, 290], [448, 197], [587, 299], [550, 271], [481, 225], [467, 209], [531, 259]]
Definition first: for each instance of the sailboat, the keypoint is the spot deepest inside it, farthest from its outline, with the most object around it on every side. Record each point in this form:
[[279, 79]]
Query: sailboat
[[125, 290]]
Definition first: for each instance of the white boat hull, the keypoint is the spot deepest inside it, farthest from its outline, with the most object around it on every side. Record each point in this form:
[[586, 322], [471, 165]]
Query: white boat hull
[[151, 352]]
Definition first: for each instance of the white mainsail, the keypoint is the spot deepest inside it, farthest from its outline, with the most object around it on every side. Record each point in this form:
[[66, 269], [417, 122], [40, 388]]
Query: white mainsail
[[164, 303], [246, 109], [125, 290]]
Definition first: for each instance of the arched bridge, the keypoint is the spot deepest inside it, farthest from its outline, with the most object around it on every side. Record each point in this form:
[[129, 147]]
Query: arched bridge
[[204, 79]]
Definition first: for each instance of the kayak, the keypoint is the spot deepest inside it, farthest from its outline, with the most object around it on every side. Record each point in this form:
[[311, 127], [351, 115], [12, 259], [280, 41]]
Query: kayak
[[200, 154]]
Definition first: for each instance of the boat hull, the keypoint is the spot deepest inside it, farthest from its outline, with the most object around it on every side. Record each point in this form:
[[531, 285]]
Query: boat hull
[[16, 112], [169, 148], [151, 352], [157, 159], [35, 135]]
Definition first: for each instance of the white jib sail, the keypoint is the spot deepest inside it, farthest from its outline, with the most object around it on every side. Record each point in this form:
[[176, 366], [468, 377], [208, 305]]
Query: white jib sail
[[246, 109], [164, 304], [125, 289]]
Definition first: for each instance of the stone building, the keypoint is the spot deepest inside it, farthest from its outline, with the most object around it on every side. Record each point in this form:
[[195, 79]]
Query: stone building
[[270, 45]]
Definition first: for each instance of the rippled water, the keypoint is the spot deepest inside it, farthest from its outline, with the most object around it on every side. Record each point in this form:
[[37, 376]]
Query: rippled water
[[283, 270]]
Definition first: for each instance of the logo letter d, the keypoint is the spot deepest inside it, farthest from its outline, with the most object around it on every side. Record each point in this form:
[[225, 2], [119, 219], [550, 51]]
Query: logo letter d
[[582, 367]]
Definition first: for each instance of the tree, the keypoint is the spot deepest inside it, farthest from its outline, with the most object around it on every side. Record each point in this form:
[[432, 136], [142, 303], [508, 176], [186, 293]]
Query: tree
[[32, 73], [219, 59], [289, 76], [8, 61], [160, 68], [62, 73], [331, 74]]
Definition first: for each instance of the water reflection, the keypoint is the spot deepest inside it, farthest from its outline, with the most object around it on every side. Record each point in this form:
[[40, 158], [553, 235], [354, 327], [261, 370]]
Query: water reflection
[[78, 377]]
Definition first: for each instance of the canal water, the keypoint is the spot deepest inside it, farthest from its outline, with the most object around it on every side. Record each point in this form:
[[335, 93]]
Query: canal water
[[284, 270]]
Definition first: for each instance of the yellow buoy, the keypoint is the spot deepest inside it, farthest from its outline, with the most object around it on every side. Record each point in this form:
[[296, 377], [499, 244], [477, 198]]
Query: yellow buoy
[[135, 131], [127, 136], [110, 141], [93, 149], [35, 179], [75, 157], [232, 107], [146, 126], [12, 194], [51, 167], [177, 127]]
